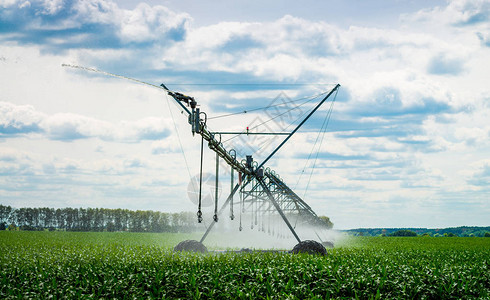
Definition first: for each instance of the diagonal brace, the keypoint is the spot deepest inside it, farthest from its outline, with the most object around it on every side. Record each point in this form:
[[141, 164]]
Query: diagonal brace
[[278, 208]]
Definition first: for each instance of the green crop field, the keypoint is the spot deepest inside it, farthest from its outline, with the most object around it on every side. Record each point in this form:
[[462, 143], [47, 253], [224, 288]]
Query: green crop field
[[143, 265]]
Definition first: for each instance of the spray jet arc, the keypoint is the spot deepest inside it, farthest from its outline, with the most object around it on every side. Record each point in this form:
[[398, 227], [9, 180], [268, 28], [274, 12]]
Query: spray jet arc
[[259, 187]]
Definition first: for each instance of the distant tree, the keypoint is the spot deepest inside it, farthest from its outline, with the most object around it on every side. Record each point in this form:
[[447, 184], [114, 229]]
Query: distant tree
[[71, 218], [47, 218], [85, 216], [97, 220], [164, 222], [176, 223], [487, 234], [28, 228], [328, 223], [145, 216], [188, 221], [403, 233], [136, 223], [110, 227], [5, 212], [103, 219], [426, 234], [449, 234]]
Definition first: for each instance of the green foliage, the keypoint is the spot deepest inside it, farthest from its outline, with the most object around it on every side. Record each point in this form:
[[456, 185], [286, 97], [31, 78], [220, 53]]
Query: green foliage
[[141, 265], [328, 222], [462, 231], [97, 219], [404, 233]]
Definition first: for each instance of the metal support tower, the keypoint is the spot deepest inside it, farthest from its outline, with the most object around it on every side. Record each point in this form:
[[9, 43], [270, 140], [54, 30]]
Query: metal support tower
[[262, 188]]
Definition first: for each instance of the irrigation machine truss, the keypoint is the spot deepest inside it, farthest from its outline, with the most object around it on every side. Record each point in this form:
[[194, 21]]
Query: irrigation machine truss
[[258, 185]]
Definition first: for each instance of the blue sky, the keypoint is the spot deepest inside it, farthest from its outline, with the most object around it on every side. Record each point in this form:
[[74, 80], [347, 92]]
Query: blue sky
[[407, 144]]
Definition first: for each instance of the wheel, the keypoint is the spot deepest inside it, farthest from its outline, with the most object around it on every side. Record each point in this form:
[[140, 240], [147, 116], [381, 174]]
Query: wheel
[[310, 247], [328, 244], [191, 246]]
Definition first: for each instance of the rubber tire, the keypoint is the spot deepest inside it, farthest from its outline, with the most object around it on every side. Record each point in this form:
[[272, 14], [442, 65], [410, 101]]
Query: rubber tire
[[328, 244], [191, 246], [310, 247]]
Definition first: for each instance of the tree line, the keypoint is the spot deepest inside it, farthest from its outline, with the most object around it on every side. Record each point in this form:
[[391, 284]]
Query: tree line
[[462, 231], [95, 219]]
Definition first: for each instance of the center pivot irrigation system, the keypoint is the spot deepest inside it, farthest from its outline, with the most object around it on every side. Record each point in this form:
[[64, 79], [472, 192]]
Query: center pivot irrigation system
[[260, 189]]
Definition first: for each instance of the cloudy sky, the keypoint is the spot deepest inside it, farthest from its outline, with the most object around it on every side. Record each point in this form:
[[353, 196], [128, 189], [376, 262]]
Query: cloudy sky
[[407, 144]]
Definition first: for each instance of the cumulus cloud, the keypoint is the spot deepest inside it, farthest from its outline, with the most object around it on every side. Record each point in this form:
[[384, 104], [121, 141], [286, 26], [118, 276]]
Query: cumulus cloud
[[457, 13], [22, 119], [481, 176], [412, 98], [467, 19], [442, 64], [484, 38], [18, 119], [165, 146], [13, 162], [146, 23], [60, 25], [389, 101]]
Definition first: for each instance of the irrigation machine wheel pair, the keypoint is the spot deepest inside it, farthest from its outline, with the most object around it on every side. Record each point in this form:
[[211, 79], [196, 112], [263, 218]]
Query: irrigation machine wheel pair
[[308, 246], [191, 246], [328, 244]]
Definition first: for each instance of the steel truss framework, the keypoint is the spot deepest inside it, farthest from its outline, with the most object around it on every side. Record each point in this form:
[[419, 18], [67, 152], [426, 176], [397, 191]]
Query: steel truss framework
[[261, 189]]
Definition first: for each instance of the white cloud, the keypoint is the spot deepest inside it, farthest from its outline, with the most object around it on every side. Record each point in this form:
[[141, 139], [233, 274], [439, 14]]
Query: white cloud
[[169, 145], [7, 3], [13, 161], [52, 6], [480, 175], [146, 23], [442, 64], [362, 59], [97, 11], [18, 119], [410, 125], [457, 12], [25, 119], [97, 20]]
